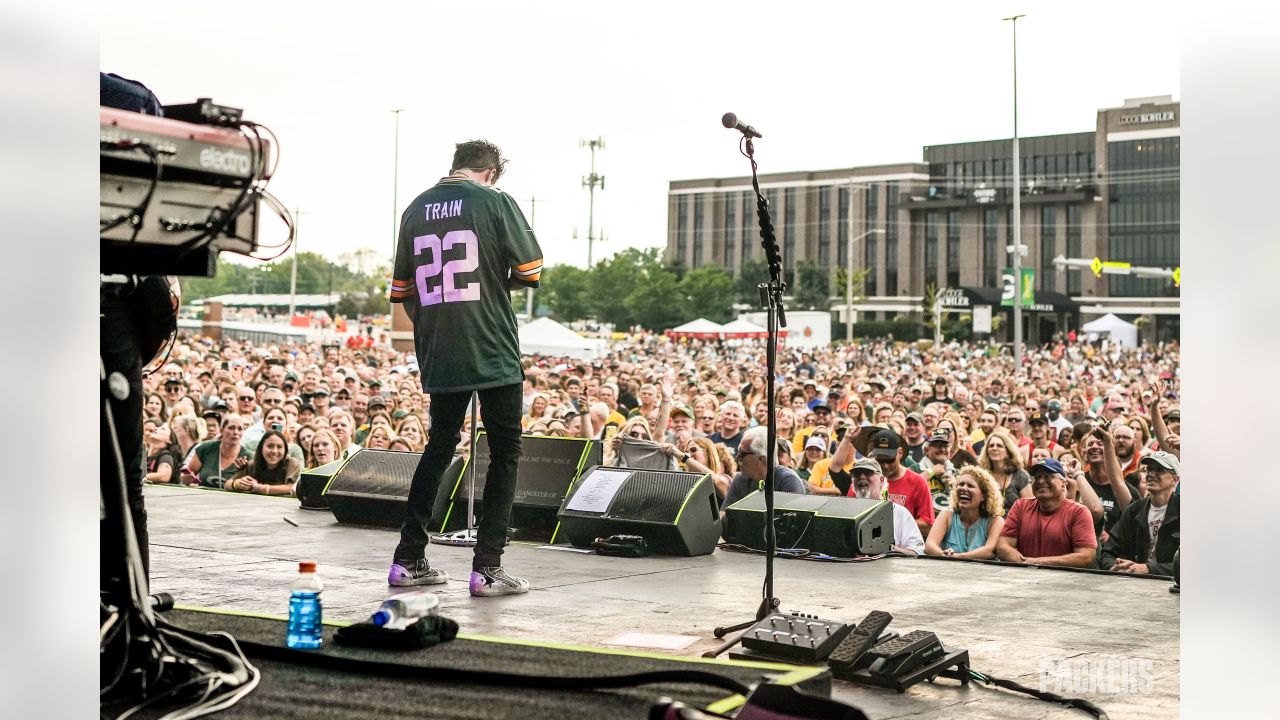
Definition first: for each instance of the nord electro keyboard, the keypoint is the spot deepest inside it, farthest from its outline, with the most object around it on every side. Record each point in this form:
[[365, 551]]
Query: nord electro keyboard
[[174, 194]]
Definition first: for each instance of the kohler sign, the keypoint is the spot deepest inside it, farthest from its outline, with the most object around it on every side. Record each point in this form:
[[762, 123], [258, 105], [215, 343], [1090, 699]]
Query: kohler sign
[[1166, 116]]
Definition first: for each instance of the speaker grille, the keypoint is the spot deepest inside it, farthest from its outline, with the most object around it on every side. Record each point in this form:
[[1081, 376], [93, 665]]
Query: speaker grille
[[386, 473], [652, 496]]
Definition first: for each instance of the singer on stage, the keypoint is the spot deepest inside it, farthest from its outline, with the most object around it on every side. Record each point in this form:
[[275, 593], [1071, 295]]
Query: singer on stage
[[463, 245]]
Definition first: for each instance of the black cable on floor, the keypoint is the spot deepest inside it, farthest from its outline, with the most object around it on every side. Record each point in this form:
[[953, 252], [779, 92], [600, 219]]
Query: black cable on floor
[[1077, 703]]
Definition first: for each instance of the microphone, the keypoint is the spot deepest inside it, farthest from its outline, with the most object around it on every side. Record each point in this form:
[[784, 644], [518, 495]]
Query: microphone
[[732, 122]]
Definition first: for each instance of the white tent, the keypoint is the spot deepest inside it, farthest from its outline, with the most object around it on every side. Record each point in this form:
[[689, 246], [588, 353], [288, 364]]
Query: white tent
[[1118, 331], [741, 328], [700, 328], [545, 336]]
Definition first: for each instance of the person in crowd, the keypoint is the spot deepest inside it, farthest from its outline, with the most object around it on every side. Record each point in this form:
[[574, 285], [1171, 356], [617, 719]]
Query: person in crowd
[[751, 460], [186, 434], [399, 444], [988, 420], [1038, 432], [271, 472], [1001, 457], [971, 526], [906, 487], [1104, 475], [214, 462], [153, 406], [324, 448], [342, 426], [815, 450], [161, 463], [868, 482], [936, 467], [1015, 422], [302, 438], [732, 417], [1057, 421], [700, 456], [1048, 529], [379, 438], [537, 410], [1146, 536], [915, 435]]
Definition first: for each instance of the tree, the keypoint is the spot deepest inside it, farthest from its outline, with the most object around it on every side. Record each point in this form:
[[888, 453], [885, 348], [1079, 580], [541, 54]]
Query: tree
[[812, 290], [566, 290], [707, 292], [656, 303], [753, 271], [930, 298], [613, 280]]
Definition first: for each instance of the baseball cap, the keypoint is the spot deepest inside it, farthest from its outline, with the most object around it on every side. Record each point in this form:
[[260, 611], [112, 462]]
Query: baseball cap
[[218, 404], [322, 390], [864, 388], [866, 463], [941, 435], [399, 414], [915, 416], [1049, 464], [809, 382], [1174, 414], [815, 442], [377, 400], [878, 381], [1053, 405], [683, 410], [1035, 416], [1166, 460], [821, 406], [885, 443]]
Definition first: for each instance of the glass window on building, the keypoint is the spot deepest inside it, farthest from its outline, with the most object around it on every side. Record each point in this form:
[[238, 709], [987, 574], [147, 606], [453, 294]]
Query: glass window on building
[[870, 262], [730, 231], [953, 248], [747, 202], [698, 230], [990, 255], [824, 225], [1047, 276], [789, 229], [1143, 178], [1075, 247], [842, 232], [682, 228], [930, 247]]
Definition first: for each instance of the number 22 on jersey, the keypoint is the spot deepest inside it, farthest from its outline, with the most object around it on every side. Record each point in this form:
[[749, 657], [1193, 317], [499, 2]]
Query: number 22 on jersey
[[437, 281]]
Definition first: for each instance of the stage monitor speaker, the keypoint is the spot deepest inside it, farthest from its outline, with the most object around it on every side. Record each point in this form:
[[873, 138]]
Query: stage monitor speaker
[[311, 485], [548, 467], [837, 526], [677, 513], [372, 487]]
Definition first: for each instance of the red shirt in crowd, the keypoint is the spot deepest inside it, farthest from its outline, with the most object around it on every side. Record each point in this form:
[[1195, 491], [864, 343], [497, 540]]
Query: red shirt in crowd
[[911, 491], [1049, 535]]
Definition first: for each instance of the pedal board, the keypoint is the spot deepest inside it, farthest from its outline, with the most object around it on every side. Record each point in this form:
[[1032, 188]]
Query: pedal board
[[849, 652], [793, 637], [897, 663]]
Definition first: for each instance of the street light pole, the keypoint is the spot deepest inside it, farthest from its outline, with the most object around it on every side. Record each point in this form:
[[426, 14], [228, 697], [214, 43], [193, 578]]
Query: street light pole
[[395, 191], [1017, 210], [293, 274], [848, 277]]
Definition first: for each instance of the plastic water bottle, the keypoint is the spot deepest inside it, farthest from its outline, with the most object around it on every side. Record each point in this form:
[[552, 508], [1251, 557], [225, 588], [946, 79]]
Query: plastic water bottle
[[305, 631], [397, 612]]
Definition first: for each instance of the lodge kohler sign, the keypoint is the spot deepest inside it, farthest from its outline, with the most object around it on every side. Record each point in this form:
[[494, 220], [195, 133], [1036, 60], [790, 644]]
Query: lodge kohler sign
[[1142, 118], [953, 297]]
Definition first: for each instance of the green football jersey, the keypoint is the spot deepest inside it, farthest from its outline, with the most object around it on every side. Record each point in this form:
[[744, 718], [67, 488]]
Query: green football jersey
[[462, 246]]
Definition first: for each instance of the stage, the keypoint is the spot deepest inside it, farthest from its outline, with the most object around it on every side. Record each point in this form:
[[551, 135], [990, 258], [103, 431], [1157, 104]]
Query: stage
[[215, 549]]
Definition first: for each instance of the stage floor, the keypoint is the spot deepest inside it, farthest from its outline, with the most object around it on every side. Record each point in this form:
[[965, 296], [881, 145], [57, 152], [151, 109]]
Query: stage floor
[[230, 551]]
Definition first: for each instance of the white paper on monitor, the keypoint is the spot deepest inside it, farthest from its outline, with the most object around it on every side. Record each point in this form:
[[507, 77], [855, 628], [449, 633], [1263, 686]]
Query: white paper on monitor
[[596, 490]]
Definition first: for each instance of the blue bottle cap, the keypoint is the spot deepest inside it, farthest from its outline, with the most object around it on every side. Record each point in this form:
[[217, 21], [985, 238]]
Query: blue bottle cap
[[382, 617]]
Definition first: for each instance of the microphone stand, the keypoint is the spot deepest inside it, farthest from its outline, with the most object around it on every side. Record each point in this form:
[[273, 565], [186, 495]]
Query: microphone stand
[[771, 298]]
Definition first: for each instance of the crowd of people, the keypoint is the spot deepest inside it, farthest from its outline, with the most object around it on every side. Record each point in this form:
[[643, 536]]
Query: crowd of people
[[1070, 459]]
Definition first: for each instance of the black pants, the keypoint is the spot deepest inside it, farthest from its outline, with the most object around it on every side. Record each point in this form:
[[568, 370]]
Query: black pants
[[500, 409], [119, 349]]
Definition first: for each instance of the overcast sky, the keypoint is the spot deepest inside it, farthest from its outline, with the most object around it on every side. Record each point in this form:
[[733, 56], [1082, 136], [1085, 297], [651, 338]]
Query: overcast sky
[[829, 84]]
